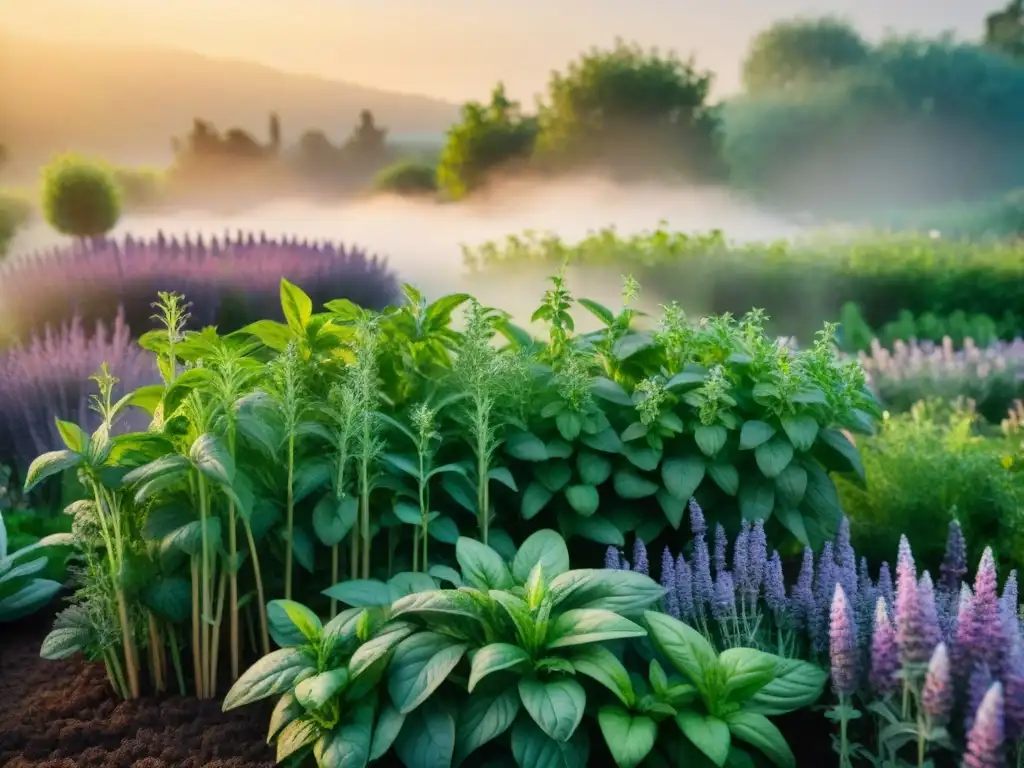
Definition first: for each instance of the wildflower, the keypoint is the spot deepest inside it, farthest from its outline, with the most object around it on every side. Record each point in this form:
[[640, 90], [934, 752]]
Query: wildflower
[[1013, 692], [775, 586], [989, 626], [721, 546], [802, 594], [986, 736], [757, 558], [937, 693], [612, 559], [965, 637], [640, 564], [1008, 609], [684, 588], [842, 644], [723, 606], [740, 555], [668, 582], [624, 563], [885, 587], [698, 526], [824, 589], [978, 685], [954, 563], [846, 559], [885, 663], [703, 588]]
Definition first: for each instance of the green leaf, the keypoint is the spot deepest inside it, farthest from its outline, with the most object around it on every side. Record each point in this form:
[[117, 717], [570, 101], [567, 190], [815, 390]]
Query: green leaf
[[629, 485], [673, 507], [348, 745], [546, 548], [74, 437], [503, 476], [389, 725], [360, 593], [297, 307], [495, 658], [773, 456], [630, 738], [211, 457], [802, 430], [606, 441], [604, 667], [49, 464], [368, 656], [596, 528], [427, 739], [691, 374], [622, 592], [747, 671], [593, 469], [532, 748], [293, 738], [791, 484], [292, 624], [569, 425], [553, 475], [756, 499], [632, 343], [797, 685], [600, 311], [273, 334], [708, 734], [682, 475], [642, 457], [64, 642], [711, 439], [758, 731], [444, 529], [445, 602], [286, 711], [275, 673], [333, 519], [340, 631], [584, 499], [556, 706], [793, 521], [725, 476], [755, 433], [482, 719], [419, 665], [687, 649], [313, 692], [535, 498], [609, 390], [822, 502], [580, 626], [406, 464], [841, 447], [170, 597], [481, 565], [634, 431], [526, 446]]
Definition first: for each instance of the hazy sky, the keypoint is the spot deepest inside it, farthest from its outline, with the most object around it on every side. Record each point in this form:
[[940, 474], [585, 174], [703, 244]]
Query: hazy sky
[[457, 49]]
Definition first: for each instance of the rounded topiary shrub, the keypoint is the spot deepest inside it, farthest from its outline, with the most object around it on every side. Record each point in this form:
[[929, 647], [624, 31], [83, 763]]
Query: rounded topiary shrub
[[81, 198], [407, 178]]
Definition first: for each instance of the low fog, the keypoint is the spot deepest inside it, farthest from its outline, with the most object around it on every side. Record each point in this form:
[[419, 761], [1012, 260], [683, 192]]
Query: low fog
[[422, 240]]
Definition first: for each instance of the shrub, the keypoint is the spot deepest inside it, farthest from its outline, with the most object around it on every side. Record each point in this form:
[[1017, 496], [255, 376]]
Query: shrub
[[232, 280], [140, 188], [80, 198], [15, 212], [22, 591], [407, 178], [959, 328]]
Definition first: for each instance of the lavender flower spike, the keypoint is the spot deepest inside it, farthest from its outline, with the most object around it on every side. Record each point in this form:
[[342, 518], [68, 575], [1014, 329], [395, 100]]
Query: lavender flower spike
[[640, 563], [741, 550], [989, 626], [684, 588], [842, 644], [954, 563], [937, 694], [723, 607], [775, 586], [698, 525], [978, 685], [668, 581], [802, 594], [986, 737], [1013, 693], [612, 559], [885, 586], [757, 558], [703, 588], [885, 662], [721, 547]]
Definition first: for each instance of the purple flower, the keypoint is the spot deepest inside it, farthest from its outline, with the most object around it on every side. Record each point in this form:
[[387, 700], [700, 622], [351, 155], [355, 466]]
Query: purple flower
[[703, 588], [623, 563], [954, 563], [978, 685], [668, 582], [826, 579], [1013, 688], [721, 548], [966, 636], [740, 553], [802, 595], [917, 626], [723, 607], [775, 586], [885, 662], [756, 559], [867, 597], [885, 587], [985, 739], [1008, 609], [937, 693], [698, 525], [846, 559], [640, 564], [986, 617], [612, 559], [684, 588], [842, 636]]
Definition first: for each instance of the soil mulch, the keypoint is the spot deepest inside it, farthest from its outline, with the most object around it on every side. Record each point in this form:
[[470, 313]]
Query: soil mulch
[[63, 714]]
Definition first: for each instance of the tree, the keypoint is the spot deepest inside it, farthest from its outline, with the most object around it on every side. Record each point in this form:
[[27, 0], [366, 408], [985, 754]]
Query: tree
[[1004, 30], [801, 52], [366, 138], [80, 198], [275, 132], [487, 137], [628, 109]]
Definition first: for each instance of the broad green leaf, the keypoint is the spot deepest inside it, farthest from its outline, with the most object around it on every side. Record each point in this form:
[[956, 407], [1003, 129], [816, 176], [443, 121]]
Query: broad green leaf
[[756, 499], [297, 307], [444, 529], [29, 599], [709, 734], [166, 466], [74, 437], [632, 343], [189, 538], [682, 475], [419, 665], [773, 456], [609, 390], [64, 642], [544, 547], [602, 666], [348, 745], [406, 464], [275, 673], [292, 624], [593, 469], [802, 430], [333, 519], [846, 453], [595, 528], [273, 334], [427, 740], [791, 484], [286, 710], [518, 611], [302, 547], [49, 464], [634, 431], [389, 725], [483, 718], [691, 374], [580, 626], [553, 475], [674, 508], [642, 457], [295, 736], [481, 565], [535, 498], [747, 671], [532, 748], [622, 592], [725, 476], [793, 521], [495, 658], [758, 731], [822, 510], [526, 446], [755, 433], [556, 706], [340, 631], [797, 685], [409, 583], [370, 654], [569, 425], [629, 485], [211, 457], [503, 476], [630, 738], [711, 439], [170, 597], [687, 649], [606, 441], [360, 593], [445, 602], [313, 692], [584, 499]]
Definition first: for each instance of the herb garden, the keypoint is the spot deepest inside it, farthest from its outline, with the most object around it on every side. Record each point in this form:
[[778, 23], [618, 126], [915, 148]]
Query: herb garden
[[425, 536]]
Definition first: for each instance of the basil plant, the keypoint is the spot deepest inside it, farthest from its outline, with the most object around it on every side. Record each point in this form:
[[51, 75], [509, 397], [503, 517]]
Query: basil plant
[[723, 699], [22, 591]]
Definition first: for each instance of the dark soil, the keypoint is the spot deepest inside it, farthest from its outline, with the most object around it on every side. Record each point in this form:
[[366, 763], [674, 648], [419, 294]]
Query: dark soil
[[63, 714]]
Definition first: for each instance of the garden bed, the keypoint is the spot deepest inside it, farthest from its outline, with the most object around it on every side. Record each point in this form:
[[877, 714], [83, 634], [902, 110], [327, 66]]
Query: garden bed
[[62, 714]]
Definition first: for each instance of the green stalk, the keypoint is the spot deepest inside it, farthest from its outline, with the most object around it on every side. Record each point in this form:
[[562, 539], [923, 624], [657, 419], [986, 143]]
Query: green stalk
[[424, 512], [416, 550], [216, 633], [364, 513], [172, 634], [261, 602], [207, 593], [197, 651], [291, 517], [156, 651], [235, 639], [113, 663], [334, 578], [483, 492]]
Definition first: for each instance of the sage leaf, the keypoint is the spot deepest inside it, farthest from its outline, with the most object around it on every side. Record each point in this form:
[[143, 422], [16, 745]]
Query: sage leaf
[[532, 748], [590, 625], [758, 731], [495, 658], [754, 433], [276, 672], [682, 475], [630, 738], [484, 718], [481, 565], [419, 665], [556, 706], [544, 547], [709, 734], [773, 456]]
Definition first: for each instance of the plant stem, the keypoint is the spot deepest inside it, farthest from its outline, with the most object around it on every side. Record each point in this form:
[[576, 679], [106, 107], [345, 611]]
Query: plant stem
[[291, 518], [235, 640], [334, 577], [483, 499], [261, 601], [118, 676], [197, 652], [215, 653], [416, 550], [364, 514], [155, 654], [207, 592], [844, 745], [172, 634]]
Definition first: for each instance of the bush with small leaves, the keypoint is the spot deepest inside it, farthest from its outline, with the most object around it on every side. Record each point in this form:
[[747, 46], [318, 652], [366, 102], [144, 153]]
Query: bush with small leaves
[[80, 198]]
